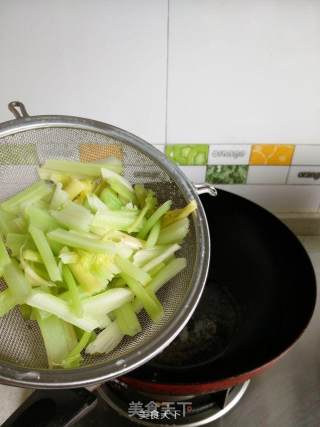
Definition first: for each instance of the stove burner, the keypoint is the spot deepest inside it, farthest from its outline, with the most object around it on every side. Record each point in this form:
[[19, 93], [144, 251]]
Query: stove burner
[[199, 410]]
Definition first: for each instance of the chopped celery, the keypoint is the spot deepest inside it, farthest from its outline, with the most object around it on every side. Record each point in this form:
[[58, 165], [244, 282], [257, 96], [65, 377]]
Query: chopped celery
[[31, 255], [4, 257], [114, 220], [74, 188], [141, 194], [109, 175], [55, 176], [77, 168], [160, 258], [110, 199], [68, 257], [95, 203], [67, 238], [174, 233], [127, 320], [132, 270], [155, 270], [105, 302], [59, 338], [106, 341], [60, 308], [141, 257], [75, 302], [74, 357], [164, 275], [149, 301], [15, 242], [177, 214], [125, 239], [59, 198], [6, 223], [33, 276], [30, 195], [25, 311], [125, 195], [7, 302], [154, 218], [153, 235], [45, 252], [73, 216], [87, 281], [40, 218], [20, 224], [112, 163], [16, 282]]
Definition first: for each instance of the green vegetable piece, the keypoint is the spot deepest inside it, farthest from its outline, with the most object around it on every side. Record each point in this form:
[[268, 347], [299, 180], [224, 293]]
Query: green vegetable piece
[[4, 257], [161, 257], [40, 218], [106, 341], [132, 270], [16, 282], [76, 241], [110, 198], [7, 302], [127, 320], [153, 235], [73, 216], [174, 233], [154, 218], [6, 223], [59, 198], [74, 358], [15, 242], [75, 301], [81, 169], [30, 195]]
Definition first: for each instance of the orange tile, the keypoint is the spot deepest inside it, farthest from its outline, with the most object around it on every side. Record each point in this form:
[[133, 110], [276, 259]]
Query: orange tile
[[271, 154], [92, 152]]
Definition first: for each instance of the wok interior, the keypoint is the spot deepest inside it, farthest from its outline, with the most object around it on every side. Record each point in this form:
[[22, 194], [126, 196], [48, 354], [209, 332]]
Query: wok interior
[[271, 282], [20, 154]]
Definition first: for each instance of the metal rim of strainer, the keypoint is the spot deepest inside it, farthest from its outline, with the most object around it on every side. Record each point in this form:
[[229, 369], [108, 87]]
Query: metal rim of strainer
[[12, 374]]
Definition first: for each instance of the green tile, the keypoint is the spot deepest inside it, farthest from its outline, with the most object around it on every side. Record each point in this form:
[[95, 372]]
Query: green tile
[[19, 154], [227, 174], [188, 154]]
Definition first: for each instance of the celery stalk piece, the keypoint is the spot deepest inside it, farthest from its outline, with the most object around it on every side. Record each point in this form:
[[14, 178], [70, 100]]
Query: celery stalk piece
[[4, 257], [161, 258], [127, 320], [59, 198], [60, 308], [117, 282], [79, 169], [106, 341], [20, 224], [136, 225], [55, 176], [114, 220], [32, 276], [25, 311], [125, 195], [31, 255], [164, 275], [148, 299], [110, 199], [174, 233], [67, 238], [16, 282], [141, 194], [7, 302], [30, 195], [75, 301], [105, 302], [59, 338], [68, 257], [112, 163], [74, 358], [15, 242], [132, 270], [108, 175], [73, 216], [140, 258], [154, 218], [6, 223], [153, 235], [46, 253], [178, 214], [95, 203], [155, 270], [40, 218], [87, 281], [74, 188], [123, 238]]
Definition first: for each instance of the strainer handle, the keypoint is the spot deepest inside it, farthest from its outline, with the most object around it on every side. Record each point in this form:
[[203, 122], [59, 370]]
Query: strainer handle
[[206, 188], [18, 109]]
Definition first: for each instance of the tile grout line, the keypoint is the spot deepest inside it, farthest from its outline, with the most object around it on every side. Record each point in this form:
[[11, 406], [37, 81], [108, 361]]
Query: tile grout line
[[167, 78]]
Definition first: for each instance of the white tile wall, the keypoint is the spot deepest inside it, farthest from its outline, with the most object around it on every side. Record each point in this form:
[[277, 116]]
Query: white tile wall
[[197, 174], [304, 175], [267, 174], [306, 154]]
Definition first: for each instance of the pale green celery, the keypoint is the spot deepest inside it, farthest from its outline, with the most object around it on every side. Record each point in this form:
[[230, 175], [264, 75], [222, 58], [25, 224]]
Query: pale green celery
[[132, 270], [108, 175], [40, 218], [178, 214], [95, 203], [15, 242], [73, 216], [149, 301], [55, 176], [124, 251], [116, 220], [110, 199], [87, 281], [33, 276], [100, 186], [25, 311], [6, 223], [125, 195], [7, 302], [153, 235], [143, 256], [44, 314], [55, 247], [105, 302], [127, 320], [74, 188], [68, 257], [154, 218], [125, 239], [141, 194], [136, 225], [87, 234], [74, 358], [21, 224], [67, 238], [117, 282], [31, 255], [31, 194], [59, 198], [112, 163], [4, 256], [16, 282], [164, 275], [59, 338], [155, 270], [79, 169], [46, 254], [60, 308], [161, 258], [75, 302], [106, 341], [174, 233]]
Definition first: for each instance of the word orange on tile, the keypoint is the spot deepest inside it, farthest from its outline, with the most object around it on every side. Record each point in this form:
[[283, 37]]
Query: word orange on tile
[[92, 152], [271, 154]]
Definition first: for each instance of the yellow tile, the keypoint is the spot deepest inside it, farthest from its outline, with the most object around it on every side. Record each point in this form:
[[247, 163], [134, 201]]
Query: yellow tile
[[92, 152], [271, 154]]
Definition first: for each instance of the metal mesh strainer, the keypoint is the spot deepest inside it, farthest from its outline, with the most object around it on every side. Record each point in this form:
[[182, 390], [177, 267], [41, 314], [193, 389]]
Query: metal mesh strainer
[[27, 142]]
